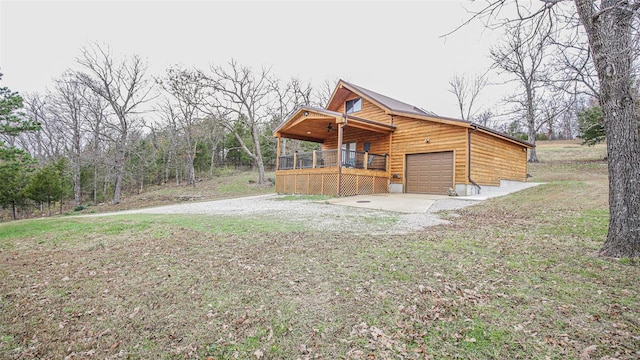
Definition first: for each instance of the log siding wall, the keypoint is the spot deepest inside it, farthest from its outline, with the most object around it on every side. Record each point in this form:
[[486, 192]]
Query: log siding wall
[[494, 159], [409, 138]]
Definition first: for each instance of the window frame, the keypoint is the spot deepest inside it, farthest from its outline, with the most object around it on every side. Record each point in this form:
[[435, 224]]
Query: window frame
[[353, 102]]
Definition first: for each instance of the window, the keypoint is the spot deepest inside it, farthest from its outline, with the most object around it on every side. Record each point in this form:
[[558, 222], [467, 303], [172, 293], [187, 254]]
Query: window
[[352, 106]]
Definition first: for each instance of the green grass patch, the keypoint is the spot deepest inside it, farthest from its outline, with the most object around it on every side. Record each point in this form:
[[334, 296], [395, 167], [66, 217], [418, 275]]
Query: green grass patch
[[65, 230], [58, 231], [228, 224]]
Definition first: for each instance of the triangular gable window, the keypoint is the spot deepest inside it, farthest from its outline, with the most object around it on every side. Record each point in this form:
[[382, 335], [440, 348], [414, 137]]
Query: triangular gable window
[[352, 106]]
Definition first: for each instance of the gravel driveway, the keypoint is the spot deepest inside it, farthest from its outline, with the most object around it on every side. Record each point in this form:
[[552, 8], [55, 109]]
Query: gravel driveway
[[313, 215]]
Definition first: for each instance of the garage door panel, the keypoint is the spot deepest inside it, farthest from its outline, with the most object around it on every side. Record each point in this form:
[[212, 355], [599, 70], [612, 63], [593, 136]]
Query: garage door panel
[[430, 173]]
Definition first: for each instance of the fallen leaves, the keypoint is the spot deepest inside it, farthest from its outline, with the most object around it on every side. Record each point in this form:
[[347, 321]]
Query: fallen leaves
[[585, 354]]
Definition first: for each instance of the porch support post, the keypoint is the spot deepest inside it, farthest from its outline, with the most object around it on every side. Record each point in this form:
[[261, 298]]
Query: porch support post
[[366, 160], [278, 152], [295, 159], [315, 159], [340, 130]]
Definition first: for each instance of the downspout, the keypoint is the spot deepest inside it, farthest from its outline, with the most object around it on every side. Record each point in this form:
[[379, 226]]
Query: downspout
[[469, 157], [340, 134]]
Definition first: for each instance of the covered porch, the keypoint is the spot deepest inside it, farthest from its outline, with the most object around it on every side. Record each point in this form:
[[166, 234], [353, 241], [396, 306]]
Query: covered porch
[[352, 159]]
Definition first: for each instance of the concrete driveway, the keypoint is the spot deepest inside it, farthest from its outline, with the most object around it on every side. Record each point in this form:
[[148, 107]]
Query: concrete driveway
[[404, 203], [422, 203]]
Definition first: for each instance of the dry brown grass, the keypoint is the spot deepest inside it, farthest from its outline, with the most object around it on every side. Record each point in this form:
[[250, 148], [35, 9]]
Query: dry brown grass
[[517, 277]]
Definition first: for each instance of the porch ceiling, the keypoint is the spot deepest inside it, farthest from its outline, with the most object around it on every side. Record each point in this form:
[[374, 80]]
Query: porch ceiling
[[312, 128], [312, 124]]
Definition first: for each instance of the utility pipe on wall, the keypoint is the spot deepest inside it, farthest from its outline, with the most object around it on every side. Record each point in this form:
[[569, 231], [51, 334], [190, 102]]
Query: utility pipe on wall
[[469, 157]]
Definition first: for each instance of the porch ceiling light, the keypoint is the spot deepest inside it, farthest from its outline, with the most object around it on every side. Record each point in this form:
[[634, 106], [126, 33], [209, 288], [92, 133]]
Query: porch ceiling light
[[306, 113]]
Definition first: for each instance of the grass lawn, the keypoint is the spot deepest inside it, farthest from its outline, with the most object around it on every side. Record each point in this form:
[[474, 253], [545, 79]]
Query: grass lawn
[[517, 277]]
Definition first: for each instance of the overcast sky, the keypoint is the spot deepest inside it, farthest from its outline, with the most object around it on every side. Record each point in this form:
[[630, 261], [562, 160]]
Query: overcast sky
[[394, 48]]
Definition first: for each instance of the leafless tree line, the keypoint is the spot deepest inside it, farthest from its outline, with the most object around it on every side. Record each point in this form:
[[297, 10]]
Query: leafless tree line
[[99, 116]]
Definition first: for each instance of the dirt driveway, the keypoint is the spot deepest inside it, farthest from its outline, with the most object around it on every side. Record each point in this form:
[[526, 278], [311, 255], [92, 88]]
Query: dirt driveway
[[363, 214]]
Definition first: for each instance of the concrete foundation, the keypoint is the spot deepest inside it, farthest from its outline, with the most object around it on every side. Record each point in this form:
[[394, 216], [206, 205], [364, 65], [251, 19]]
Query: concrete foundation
[[396, 188], [469, 190], [472, 190]]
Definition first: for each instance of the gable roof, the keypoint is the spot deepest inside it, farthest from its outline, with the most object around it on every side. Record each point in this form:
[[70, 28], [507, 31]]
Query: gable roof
[[390, 103], [397, 107]]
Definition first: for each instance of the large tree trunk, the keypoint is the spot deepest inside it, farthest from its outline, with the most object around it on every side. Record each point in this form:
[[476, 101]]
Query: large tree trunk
[[77, 185], [258, 154], [96, 152], [531, 124], [191, 171], [119, 173], [609, 34], [77, 188], [95, 181], [531, 137]]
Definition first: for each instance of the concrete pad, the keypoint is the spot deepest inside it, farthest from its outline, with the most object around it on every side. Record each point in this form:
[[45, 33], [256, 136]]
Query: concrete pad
[[421, 203], [499, 191], [404, 203]]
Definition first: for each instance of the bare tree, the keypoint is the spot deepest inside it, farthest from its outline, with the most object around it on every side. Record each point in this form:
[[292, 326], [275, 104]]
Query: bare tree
[[521, 55], [485, 118], [172, 129], [124, 87], [187, 93], [323, 94], [553, 109], [610, 26], [95, 118], [289, 97], [214, 135], [238, 96], [70, 110], [466, 90], [37, 144]]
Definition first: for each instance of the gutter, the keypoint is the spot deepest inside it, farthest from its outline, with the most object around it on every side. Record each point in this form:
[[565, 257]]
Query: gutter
[[469, 157]]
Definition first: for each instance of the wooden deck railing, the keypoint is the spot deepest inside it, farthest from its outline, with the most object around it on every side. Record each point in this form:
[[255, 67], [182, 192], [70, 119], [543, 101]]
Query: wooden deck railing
[[329, 158]]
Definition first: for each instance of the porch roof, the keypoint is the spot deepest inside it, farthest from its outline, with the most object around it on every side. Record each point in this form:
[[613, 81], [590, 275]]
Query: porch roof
[[314, 124]]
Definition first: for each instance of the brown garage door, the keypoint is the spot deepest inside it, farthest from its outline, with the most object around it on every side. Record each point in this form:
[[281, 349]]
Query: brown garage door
[[430, 173]]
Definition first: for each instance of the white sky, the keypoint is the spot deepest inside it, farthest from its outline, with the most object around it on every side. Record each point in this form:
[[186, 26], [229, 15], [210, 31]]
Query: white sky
[[393, 48]]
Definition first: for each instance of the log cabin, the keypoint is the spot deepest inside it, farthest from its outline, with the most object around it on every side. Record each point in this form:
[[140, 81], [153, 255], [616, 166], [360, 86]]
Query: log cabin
[[370, 143]]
